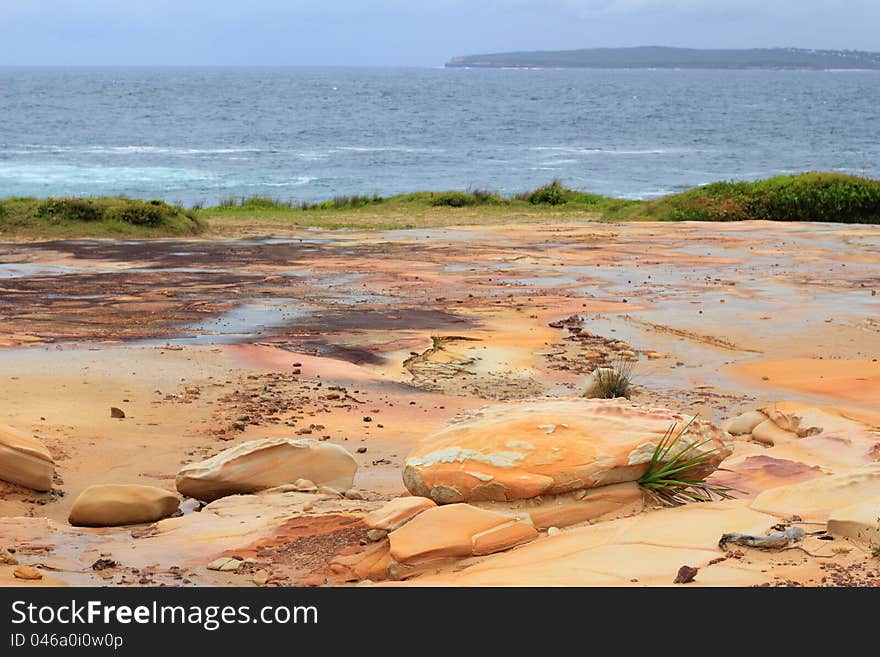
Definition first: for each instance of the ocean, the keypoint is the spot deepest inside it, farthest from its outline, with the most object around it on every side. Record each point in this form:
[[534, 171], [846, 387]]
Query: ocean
[[202, 135]]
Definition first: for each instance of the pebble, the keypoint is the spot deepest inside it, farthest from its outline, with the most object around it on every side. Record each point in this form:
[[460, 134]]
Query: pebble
[[6, 558], [27, 572], [376, 534], [685, 574], [224, 564]]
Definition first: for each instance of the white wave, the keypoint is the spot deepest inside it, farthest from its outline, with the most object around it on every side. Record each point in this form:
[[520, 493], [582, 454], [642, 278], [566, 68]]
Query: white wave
[[577, 150], [388, 149], [61, 174], [24, 149], [293, 182]]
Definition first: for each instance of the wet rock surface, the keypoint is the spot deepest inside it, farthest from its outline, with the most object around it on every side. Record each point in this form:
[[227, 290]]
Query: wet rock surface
[[207, 345]]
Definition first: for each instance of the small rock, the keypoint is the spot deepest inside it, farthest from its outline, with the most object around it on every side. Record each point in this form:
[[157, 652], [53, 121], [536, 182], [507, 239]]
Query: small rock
[[553, 531], [224, 564], [353, 494], [376, 534], [26, 572], [685, 574], [361, 450], [118, 413], [6, 558], [367, 418], [261, 577]]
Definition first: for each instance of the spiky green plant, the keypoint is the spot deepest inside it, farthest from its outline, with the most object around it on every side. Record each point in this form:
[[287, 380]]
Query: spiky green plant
[[677, 470]]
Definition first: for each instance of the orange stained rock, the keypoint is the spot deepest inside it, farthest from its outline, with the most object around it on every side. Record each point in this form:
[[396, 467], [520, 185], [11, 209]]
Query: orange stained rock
[[527, 448], [25, 460], [458, 530]]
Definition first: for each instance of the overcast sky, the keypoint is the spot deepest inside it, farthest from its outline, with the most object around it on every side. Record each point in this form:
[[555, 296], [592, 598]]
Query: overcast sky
[[406, 32]]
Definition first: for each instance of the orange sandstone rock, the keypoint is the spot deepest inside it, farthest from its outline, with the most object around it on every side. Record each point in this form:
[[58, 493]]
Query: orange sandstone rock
[[261, 464], [522, 449], [814, 500], [25, 460], [27, 572], [456, 531], [859, 521], [109, 505], [397, 512]]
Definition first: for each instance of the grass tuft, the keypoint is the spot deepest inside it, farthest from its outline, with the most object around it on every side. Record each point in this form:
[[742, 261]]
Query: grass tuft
[[612, 382], [677, 470]]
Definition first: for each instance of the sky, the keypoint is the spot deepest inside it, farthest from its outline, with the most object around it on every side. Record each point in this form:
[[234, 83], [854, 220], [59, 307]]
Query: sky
[[406, 32]]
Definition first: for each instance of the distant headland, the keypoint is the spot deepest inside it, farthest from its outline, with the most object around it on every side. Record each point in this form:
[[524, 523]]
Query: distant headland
[[666, 57]]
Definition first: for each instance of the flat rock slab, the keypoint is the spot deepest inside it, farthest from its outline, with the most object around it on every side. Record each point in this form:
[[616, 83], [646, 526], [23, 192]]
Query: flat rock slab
[[262, 464], [523, 449], [814, 500], [647, 549], [545, 511], [457, 531], [859, 521], [397, 512], [25, 460], [109, 505]]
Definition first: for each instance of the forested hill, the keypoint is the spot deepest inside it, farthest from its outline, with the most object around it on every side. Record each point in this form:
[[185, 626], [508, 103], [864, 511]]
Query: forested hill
[[664, 57]]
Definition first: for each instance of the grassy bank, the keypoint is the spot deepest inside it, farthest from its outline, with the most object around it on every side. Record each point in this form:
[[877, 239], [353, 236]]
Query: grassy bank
[[95, 217], [805, 197], [550, 202], [831, 197]]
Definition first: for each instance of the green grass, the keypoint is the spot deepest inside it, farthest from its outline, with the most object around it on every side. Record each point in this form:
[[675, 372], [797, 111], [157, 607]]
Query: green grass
[[817, 196], [95, 217], [830, 197], [613, 382], [677, 471]]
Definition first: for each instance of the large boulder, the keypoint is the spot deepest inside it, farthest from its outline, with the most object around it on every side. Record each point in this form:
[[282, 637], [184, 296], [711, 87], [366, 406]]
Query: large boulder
[[522, 449], [261, 464], [25, 460], [109, 505]]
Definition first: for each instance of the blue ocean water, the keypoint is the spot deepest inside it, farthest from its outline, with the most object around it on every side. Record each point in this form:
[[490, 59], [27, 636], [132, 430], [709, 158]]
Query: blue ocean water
[[199, 135]]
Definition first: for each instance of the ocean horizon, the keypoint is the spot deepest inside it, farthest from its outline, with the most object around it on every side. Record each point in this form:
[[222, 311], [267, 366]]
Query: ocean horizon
[[200, 134]]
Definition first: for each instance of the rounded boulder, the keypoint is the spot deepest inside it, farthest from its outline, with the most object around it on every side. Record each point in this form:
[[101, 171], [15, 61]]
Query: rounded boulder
[[266, 463], [523, 449], [110, 505]]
